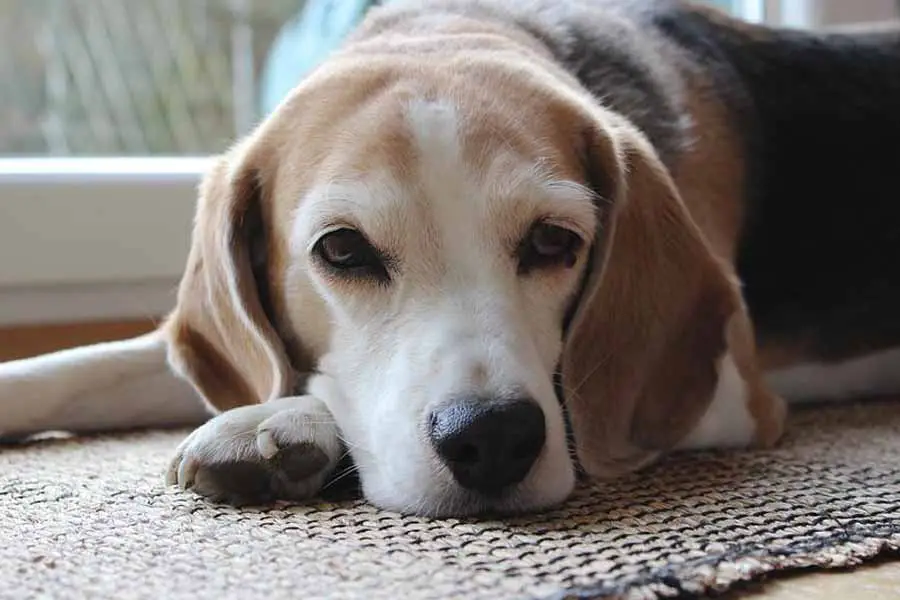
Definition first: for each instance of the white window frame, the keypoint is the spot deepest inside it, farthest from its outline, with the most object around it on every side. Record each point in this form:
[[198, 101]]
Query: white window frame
[[100, 239], [93, 239]]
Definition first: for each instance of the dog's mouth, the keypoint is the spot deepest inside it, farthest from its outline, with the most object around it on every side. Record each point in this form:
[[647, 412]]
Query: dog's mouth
[[345, 485], [447, 499]]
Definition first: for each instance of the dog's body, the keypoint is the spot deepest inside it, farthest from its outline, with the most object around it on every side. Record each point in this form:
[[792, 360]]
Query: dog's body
[[478, 206]]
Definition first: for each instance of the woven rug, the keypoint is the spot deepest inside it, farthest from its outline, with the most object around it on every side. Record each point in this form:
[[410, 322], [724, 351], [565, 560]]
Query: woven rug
[[91, 518]]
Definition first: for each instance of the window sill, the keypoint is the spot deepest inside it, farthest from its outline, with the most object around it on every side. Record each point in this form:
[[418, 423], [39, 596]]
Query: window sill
[[93, 239]]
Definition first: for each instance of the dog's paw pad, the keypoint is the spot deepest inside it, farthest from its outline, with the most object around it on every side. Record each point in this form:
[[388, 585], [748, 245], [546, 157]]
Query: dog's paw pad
[[301, 460], [257, 454], [236, 483]]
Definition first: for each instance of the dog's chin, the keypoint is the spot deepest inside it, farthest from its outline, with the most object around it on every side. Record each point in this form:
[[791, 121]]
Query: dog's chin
[[546, 487]]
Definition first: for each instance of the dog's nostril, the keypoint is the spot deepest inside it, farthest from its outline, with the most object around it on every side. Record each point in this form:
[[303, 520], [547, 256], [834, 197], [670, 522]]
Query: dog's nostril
[[488, 445]]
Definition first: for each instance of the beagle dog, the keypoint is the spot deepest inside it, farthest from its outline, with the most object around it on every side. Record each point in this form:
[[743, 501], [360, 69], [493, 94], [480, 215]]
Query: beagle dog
[[488, 240]]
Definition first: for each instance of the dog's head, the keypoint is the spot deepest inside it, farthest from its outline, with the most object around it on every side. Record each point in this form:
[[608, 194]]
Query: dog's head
[[443, 236]]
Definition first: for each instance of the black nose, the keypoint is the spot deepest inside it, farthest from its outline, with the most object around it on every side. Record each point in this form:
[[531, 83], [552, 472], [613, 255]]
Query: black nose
[[488, 445]]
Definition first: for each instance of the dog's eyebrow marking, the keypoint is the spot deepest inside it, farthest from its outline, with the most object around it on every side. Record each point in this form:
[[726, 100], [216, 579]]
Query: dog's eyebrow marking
[[352, 202], [533, 189], [565, 199], [321, 206]]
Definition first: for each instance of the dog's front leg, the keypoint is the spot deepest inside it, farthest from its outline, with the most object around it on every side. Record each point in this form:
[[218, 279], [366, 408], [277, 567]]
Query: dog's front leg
[[282, 449]]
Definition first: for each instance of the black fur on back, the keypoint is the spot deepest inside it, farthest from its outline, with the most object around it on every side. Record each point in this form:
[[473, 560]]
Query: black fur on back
[[820, 251], [819, 113]]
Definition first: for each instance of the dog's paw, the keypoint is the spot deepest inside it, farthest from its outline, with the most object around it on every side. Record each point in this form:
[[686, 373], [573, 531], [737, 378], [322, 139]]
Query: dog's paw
[[280, 450]]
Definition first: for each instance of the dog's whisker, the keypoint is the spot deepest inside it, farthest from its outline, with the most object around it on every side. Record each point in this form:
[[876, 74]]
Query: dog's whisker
[[565, 388], [351, 447], [344, 455], [342, 475], [590, 373], [312, 421]]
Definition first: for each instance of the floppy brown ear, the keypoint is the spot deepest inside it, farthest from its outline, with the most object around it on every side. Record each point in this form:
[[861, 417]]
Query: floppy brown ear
[[640, 364], [221, 333]]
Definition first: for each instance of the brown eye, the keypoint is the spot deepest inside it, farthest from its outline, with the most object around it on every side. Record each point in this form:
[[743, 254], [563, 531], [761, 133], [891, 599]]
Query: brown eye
[[548, 245], [348, 252]]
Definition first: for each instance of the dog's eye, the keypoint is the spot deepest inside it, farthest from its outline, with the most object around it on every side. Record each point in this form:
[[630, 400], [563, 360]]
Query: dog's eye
[[548, 245], [348, 251]]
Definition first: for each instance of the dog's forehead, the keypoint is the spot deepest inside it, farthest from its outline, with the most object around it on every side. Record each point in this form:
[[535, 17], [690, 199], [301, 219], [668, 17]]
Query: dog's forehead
[[368, 115], [428, 161], [403, 130]]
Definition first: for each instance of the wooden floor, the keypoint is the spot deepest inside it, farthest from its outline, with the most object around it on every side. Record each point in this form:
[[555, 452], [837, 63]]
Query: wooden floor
[[31, 340], [879, 581], [875, 582]]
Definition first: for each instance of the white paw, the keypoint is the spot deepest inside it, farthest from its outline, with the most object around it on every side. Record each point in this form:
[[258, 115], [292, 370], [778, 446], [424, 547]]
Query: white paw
[[280, 450]]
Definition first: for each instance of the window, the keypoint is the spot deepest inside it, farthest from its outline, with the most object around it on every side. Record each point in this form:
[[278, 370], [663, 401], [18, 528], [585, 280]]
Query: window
[[840, 14], [108, 110], [153, 77]]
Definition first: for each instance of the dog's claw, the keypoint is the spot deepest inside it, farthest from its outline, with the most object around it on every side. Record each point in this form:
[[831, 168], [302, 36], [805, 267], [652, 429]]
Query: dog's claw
[[265, 443], [187, 470]]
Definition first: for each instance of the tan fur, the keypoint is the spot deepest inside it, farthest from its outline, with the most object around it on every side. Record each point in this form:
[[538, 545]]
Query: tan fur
[[711, 174], [710, 177]]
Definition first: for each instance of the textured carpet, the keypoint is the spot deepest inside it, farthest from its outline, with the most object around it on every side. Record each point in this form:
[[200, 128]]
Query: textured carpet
[[91, 518]]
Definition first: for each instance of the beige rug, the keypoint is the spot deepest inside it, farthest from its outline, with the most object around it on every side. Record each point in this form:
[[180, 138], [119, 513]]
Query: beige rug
[[92, 519]]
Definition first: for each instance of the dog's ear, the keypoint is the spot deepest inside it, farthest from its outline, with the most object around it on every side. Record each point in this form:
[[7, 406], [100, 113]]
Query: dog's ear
[[643, 348], [222, 336]]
